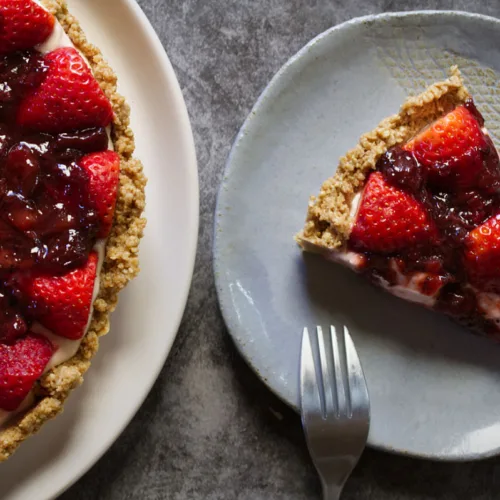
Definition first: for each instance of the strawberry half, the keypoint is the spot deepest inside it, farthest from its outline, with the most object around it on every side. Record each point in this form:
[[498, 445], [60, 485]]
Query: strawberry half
[[23, 24], [389, 219], [103, 170], [61, 303], [482, 255], [21, 364], [68, 99], [454, 150]]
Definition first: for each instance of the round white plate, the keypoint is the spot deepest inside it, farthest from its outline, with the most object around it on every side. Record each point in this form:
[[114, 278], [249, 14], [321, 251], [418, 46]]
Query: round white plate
[[146, 321], [434, 387]]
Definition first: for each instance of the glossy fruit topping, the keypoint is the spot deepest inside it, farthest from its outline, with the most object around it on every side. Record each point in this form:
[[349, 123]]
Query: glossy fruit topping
[[433, 207], [482, 255], [23, 24], [103, 170], [60, 303], [69, 98], [401, 169], [456, 153], [20, 74], [58, 189], [21, 364], [12, 323], [49, 218], [389, 219]]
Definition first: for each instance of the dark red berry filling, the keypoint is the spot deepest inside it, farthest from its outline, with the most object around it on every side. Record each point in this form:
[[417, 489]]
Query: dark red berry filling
[[455, 212], [48, 222]]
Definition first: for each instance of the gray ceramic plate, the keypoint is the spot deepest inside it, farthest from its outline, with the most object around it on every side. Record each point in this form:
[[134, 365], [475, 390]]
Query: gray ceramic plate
[[434, 387]]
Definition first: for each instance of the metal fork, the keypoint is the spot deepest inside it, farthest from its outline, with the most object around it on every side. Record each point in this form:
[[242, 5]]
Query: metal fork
[[335, 406]]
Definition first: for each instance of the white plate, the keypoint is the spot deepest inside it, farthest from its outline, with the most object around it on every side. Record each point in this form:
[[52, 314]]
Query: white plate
[[434, 387], [146, 321]]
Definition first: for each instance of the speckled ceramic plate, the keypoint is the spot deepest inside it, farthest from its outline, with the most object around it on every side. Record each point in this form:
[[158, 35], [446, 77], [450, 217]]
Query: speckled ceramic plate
[[145, 323], [434, 387]]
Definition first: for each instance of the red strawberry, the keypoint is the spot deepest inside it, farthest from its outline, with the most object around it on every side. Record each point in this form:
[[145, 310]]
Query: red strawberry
[[62, 303], [21, 364], [482, 255], [23, 24], [453, 150], [104, 171], [68, 99], [389, 219]]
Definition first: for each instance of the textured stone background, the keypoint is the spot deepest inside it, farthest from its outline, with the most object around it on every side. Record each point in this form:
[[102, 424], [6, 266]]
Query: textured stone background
[[206, 430]]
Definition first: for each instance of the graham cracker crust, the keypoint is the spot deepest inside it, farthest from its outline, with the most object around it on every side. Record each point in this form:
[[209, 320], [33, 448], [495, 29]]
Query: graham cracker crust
[[329, 220], [121, 262]]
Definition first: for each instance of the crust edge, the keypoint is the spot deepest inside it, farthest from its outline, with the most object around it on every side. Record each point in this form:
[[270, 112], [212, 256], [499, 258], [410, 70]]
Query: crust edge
[[328, 223], [121, 262]]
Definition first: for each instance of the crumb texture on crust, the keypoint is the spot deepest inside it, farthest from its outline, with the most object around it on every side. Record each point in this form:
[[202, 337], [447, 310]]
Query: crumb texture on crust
[[121, 262], [328, 221]]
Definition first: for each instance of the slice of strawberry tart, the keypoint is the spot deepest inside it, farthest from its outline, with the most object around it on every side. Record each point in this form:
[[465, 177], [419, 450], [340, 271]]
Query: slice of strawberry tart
[[415, 206], [71, 198]]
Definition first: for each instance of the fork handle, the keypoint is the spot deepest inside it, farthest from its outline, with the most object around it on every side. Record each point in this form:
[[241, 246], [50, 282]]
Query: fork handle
[[331, 491]]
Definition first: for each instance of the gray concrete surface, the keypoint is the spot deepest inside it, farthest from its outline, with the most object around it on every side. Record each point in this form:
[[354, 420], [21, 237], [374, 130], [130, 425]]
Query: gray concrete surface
[[207, 430]]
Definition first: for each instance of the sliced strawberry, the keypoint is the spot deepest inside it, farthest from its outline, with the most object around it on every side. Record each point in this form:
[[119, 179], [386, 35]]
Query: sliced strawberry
[[23, 24], [21, 364], [68, 99], [389, 219], [104, 171], [454, 150], [62, 303], [482, 255]]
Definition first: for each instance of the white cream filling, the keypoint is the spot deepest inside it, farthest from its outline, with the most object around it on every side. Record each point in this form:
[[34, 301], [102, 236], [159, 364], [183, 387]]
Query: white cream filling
[[408, 287], [355, 202], [350, 259], [64, 348], [56, 40], [411, 291]]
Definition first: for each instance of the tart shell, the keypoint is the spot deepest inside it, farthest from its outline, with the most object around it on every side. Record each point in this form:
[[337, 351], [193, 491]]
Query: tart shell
[[121, 262], [329, 221]]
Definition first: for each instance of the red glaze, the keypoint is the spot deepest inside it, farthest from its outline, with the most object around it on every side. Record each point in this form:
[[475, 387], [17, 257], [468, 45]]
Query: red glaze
[[449, 175]]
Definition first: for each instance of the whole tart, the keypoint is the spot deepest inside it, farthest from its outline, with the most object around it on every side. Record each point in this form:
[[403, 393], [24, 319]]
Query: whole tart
[[415, 207], [112, 261]]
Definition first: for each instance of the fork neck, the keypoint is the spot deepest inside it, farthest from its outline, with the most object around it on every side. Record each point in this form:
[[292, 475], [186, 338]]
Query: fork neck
[[331, 491]]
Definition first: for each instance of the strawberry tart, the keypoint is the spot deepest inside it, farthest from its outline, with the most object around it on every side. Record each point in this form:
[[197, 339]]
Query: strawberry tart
[[72, 198], [415, 207]]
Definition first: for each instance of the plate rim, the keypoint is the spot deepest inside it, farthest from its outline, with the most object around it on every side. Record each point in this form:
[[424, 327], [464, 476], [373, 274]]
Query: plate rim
[[231, 325], [183, 289]]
